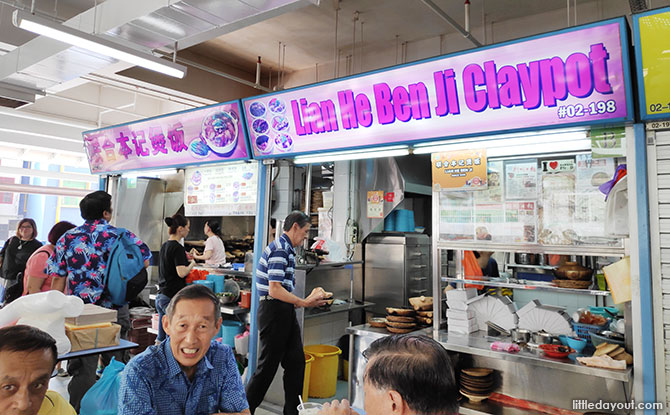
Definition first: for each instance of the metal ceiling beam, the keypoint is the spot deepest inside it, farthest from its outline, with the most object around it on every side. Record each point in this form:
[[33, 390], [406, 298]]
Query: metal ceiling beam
[[432, 6]]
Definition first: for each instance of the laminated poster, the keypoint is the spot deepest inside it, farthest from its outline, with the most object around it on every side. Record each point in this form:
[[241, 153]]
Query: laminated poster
[[459, 170], [456, 216], [222, 190], [376, 204], [521, 180]]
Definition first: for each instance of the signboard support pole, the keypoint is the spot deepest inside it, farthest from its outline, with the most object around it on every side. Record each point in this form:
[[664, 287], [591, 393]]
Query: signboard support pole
[[260, 241]]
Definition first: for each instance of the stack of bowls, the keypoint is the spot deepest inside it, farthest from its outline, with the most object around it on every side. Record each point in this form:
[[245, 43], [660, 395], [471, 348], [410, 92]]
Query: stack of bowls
[[477, 383]]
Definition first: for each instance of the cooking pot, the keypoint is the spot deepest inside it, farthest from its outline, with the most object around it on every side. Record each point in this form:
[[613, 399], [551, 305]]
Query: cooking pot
[[540, 337], [573, 271], [520, 335], [523, 258]]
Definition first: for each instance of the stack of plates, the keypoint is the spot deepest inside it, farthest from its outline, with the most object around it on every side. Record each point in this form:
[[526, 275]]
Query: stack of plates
[[477, 383], [400, 320]]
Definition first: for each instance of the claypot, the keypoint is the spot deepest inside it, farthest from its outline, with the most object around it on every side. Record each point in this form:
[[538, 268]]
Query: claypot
[[573, 271]]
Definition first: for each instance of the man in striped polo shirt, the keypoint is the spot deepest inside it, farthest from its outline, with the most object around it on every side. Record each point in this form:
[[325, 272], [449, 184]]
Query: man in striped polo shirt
[[278, 327]]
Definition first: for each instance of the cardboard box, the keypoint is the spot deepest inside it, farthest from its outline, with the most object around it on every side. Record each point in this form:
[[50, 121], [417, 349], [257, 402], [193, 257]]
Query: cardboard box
[[93, 314], [94, 338]]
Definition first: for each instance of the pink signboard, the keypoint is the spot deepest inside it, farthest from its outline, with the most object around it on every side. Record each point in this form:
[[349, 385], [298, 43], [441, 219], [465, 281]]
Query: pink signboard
[[576, 76], [204, 135]]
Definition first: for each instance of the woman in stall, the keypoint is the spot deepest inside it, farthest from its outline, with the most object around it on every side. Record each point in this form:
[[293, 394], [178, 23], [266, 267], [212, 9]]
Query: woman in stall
[[215, 252], [173, 267]]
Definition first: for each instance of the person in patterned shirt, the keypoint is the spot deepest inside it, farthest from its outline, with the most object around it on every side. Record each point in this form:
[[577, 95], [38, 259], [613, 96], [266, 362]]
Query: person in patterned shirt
[[79, 261]]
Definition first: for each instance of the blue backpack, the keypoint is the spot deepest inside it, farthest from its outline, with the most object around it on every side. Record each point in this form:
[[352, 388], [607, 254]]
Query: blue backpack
[[125, 275]]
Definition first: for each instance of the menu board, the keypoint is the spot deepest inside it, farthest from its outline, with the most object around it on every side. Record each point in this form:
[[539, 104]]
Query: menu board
[[223, 190]]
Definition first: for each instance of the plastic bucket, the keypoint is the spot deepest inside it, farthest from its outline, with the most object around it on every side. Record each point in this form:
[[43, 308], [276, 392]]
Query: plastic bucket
[[208, 284], [218, 281], [308, 370], [323, 374], [229, 329]]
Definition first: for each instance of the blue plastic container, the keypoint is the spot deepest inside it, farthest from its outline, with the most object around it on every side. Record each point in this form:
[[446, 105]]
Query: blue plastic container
[[389, 221], [218, 281], [208, 284], [230, 329], [238, 266], [404, 220]]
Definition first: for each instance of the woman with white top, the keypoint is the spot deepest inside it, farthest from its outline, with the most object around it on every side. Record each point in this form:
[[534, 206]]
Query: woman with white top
[[215, 252]]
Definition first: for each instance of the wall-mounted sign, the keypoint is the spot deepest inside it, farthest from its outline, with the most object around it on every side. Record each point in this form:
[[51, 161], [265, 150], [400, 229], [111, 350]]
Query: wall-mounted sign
[[223, 190], [608, 142], [376, 204], [459, 170], [573, 76], [652, 31], [208, 134]]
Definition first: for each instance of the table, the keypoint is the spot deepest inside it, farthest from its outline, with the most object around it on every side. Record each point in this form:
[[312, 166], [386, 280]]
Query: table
[[123, 345]]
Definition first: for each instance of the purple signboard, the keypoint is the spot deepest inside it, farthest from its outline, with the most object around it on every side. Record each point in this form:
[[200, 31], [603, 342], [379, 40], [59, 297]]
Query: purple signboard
[[568, 77], [208, 134]]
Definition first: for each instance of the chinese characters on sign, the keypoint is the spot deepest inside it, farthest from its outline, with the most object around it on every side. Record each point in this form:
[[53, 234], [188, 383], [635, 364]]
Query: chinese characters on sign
[[459, 170], [203, 135]]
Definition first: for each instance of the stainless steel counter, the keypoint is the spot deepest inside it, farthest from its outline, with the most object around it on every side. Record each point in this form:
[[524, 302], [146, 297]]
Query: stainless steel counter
[[325, 264], [336, 308], [478, 344], [230, 310], [224, 271]]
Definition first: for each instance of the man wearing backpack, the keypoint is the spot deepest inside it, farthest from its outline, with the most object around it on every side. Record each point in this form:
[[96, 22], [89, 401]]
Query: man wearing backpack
[[80, 261]]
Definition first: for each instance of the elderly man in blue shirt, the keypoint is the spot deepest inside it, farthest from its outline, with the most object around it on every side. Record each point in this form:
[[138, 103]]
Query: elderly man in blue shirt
[[188, 373]]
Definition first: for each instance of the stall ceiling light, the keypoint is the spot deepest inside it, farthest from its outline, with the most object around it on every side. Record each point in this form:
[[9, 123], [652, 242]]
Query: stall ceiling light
[[548, 142], [95, 44], [392, 151]]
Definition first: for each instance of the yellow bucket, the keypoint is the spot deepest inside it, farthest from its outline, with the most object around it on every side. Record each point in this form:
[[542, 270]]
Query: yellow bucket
[[308, 369], [323, 373]]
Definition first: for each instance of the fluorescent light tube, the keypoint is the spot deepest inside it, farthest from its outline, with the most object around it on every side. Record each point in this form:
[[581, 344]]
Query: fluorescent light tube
[[95, 44], [521, 144], [393, 151]]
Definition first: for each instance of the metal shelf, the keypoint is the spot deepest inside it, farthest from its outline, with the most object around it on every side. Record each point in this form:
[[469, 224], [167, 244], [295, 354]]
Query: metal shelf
[[535, 285], [477, 344], [588, 250], [545, 267]]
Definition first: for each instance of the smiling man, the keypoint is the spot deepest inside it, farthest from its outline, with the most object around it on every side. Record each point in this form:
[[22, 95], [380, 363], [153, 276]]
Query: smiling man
[[188, 373], [27, 360]]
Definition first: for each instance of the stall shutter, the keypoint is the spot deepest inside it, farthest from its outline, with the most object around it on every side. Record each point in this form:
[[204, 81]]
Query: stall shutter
[[662, 223]]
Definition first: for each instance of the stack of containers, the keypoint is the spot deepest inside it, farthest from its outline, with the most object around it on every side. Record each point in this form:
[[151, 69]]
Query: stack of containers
[[460, 319], [399, 220]]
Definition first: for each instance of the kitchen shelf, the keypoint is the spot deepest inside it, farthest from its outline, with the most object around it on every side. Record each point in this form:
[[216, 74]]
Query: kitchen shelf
[[528, 285], [588, 250], [477, 344], [546, 267]]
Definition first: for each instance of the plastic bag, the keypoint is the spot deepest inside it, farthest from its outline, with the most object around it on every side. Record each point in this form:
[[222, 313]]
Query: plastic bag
[[103, 397]]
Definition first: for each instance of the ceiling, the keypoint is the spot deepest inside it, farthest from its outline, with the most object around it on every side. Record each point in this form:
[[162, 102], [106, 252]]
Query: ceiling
[[224, 38]]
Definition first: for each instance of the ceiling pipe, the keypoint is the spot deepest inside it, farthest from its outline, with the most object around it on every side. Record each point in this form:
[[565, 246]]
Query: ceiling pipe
[[214, 71], [467, 15], [258, 72], [337, 52], [451, 21]]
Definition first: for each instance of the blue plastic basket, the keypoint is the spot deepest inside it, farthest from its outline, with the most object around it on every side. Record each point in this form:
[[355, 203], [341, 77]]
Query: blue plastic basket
[[583, 330]]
